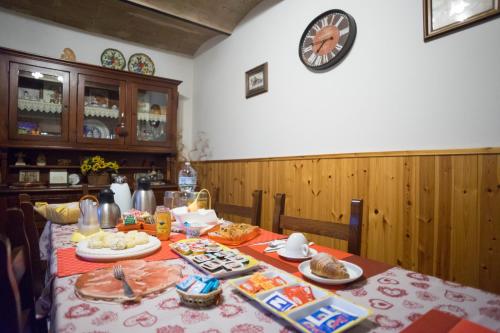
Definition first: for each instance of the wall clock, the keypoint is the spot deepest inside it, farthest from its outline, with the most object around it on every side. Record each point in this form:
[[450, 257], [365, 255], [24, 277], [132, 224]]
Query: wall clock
[[327, 39]]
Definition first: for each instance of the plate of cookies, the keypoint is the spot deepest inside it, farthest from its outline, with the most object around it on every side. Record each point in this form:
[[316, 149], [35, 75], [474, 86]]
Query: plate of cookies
[[324, 268]]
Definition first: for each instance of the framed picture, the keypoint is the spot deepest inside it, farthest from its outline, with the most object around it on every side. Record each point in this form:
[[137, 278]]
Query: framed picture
[[29, 176], [256, 80], [445, 16]]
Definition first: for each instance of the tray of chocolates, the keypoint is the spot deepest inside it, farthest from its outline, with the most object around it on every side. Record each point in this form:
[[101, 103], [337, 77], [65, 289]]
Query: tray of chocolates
[[305, 306], [213, 258]]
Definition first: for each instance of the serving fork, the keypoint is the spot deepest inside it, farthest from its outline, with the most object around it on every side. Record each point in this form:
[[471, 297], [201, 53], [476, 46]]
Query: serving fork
[[119, 275]]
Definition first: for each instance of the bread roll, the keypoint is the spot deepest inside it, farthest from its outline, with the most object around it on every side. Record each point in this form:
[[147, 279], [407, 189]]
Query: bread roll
[[325, 265]]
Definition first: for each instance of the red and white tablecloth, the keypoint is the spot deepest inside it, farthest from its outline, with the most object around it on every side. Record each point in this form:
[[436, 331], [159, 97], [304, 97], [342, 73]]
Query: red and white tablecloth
[[397, 297]]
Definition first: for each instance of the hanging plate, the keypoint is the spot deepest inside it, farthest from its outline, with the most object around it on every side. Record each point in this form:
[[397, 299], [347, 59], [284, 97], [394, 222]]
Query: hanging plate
[[141, 63]]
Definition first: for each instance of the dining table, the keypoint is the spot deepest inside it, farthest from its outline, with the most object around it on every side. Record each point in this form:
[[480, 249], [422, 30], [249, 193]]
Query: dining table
[[399, 299]]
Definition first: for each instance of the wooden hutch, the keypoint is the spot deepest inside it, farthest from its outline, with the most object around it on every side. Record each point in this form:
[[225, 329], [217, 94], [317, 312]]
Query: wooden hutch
[[69, 111]]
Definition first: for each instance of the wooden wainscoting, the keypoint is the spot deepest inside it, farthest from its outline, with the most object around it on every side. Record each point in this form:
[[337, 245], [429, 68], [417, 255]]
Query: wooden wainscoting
[[435, 212]]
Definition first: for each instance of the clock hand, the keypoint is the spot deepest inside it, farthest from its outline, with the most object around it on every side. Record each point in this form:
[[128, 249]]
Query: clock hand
[[320, 41], [321, 45]]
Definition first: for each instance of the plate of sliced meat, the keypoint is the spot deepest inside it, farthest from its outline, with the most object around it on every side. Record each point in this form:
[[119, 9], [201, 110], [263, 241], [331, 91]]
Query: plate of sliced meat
[[143, 277]]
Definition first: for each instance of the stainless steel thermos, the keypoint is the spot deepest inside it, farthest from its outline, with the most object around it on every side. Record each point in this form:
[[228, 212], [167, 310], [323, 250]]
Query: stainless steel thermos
[[143, 198], [108, 211]]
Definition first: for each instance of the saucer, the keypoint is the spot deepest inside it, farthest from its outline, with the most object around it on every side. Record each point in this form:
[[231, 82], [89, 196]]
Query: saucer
[[354, 271], [282, 253]]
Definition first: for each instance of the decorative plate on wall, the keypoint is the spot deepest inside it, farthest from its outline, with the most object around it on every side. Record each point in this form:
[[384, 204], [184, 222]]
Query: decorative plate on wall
[[141, 63], [112, 58]]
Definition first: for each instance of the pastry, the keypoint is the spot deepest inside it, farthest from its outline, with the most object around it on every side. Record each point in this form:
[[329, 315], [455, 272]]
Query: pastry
[[236, 231], [325, 265]]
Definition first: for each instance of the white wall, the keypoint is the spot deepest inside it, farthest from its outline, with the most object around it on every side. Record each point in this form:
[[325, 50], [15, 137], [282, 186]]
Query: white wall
[[48, 39], [392, 92]]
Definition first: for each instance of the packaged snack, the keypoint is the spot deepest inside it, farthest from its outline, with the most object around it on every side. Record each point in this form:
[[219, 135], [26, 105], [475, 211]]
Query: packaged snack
[[211, 266], [183, 249], [308, 291], [326, 319], [266, 285], [197, 287], [228, 254], [185, 283], [231, 265], [201, 258], [278, 281], [279, 302], [242, 259], [298, 294], [128, 220], [249, 287]]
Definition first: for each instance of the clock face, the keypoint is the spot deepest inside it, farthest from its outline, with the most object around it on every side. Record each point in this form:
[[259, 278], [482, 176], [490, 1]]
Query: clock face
[[327, 39]]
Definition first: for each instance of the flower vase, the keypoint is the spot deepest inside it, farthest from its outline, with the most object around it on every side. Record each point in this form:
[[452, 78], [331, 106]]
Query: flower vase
[[99, 179]]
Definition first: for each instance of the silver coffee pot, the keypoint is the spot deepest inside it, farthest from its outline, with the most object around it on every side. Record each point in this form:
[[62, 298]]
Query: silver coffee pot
[[108, 211], [143, 198]]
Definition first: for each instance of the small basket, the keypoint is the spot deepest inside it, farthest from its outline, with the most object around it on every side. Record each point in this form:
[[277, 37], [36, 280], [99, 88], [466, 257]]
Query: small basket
[[200, 300]]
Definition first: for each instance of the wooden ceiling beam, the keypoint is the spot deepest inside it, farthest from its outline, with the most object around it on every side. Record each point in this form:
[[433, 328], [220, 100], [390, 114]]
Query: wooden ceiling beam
[[174, 25]]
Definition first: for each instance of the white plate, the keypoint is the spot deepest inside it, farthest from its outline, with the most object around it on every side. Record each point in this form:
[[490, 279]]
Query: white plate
[[107, 254], [103, 129], [354, 271], [73, 178], [282, 253]]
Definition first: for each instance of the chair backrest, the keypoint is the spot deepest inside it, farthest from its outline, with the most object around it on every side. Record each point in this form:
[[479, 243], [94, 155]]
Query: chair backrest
[[253, 213], [10, 305], [349, 232], [21, 257], [37, 267]]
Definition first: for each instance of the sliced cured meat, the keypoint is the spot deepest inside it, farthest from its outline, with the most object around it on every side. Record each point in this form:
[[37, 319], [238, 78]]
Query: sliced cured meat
[[143, 277]]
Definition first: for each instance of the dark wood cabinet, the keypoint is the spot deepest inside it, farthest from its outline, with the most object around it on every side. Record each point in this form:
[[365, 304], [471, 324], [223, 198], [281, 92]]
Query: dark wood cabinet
[[101, 110], [38, 107], [59, 104], [68, 110], [156, 128]]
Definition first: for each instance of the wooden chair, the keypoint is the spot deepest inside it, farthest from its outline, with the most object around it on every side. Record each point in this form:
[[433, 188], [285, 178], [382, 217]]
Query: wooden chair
[[11, 271], [349, 232], [253, 213], [37, 265], [22, 300]]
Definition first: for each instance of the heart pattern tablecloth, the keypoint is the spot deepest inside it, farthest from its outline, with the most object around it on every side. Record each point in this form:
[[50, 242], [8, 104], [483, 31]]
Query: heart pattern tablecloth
[[399, 297], [160, 313]]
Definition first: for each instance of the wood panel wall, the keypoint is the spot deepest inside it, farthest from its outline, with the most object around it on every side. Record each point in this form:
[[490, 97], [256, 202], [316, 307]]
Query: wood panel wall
[[435, 212]]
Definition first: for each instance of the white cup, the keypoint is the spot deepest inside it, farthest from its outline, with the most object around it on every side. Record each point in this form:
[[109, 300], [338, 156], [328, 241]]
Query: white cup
[[297, 245]]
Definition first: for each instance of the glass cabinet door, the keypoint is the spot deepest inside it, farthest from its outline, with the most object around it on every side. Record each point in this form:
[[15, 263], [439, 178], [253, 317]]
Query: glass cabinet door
[[152, 121], [101, 110], [38, 103]]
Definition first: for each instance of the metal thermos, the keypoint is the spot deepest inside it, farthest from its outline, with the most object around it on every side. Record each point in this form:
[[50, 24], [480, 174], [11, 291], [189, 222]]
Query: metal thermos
[[108, 211], [143, 198]]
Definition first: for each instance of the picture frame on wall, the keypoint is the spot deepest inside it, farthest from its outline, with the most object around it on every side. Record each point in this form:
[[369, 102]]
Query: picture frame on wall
[[446, 16], [256, 80]]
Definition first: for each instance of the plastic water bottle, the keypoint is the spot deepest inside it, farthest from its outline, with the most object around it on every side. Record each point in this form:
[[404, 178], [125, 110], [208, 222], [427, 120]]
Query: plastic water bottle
[[187, 178]]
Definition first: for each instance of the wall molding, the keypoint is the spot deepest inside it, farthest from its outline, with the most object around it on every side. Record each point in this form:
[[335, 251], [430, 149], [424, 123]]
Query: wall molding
[[399, 153]]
